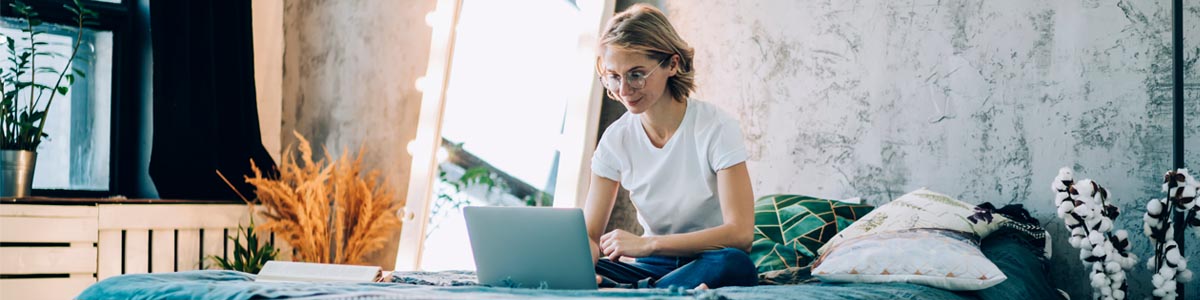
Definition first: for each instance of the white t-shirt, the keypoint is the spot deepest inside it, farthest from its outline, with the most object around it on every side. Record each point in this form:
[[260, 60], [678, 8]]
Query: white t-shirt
[[674, 188]]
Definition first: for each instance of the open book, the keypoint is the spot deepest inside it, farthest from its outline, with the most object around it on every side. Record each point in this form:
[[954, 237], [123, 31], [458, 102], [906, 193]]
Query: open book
[[281, 271]]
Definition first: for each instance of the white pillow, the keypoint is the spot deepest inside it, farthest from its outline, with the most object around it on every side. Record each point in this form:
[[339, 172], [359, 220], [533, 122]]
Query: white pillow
[[940, 258], [919, 209]]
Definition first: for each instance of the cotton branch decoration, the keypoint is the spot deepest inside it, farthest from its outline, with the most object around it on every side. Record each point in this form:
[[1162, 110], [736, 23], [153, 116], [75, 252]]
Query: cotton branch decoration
[[1088, 214], [1168, 261]]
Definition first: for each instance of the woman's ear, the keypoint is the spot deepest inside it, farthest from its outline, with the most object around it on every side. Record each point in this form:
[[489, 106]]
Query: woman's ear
[[675, 65]]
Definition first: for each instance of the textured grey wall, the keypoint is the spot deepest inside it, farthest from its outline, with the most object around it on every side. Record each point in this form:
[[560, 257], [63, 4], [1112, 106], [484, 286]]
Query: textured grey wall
[[349, 68], [983, 100]]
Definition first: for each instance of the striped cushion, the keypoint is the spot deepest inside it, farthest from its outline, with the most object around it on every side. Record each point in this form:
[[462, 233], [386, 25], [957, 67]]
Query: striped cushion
[[788, 229]]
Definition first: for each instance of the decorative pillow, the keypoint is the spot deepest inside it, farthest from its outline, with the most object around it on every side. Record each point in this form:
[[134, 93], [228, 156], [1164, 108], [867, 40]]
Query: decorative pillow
[[940, 258], [788, 229], [922, 209]]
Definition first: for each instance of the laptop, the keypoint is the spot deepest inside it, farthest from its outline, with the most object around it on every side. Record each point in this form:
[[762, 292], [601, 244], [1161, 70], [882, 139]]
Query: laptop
[[530, 247]]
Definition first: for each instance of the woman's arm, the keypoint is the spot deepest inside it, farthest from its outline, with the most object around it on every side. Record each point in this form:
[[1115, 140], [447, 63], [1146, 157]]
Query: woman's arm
[[737, 208], [602, 194]]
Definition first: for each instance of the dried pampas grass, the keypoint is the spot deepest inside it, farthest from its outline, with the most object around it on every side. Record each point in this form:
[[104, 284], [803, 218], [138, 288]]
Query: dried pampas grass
[[297, 206]]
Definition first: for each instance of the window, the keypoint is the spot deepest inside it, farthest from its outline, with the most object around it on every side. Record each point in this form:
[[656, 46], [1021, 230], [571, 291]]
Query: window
[[505, 105], [81, 155], [75, 155]]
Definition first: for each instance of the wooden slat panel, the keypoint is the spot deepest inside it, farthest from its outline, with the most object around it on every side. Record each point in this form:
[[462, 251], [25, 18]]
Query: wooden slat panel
[[189, 250], [47, 260], [214, 244], [137, 251], [47, 230], [108, 250], [58, 211], [162, 250], [44, 288], [172, 216]]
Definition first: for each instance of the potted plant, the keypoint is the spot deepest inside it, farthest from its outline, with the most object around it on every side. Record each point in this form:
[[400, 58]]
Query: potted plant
[[26, 101]]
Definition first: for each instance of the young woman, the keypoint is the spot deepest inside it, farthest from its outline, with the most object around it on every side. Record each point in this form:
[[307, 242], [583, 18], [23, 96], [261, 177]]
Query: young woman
[[682, 160]]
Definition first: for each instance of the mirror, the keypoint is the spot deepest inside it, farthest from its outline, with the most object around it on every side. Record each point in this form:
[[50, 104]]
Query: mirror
[[508, 118]]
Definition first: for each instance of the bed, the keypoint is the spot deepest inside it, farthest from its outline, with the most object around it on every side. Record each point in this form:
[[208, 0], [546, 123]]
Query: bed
[[1017, 254]]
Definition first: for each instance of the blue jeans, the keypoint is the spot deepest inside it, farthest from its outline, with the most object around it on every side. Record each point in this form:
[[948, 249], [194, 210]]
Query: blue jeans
[[715, 268]]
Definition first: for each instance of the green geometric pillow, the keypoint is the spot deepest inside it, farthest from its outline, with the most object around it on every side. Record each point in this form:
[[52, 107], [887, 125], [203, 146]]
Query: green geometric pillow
[[788, 229]]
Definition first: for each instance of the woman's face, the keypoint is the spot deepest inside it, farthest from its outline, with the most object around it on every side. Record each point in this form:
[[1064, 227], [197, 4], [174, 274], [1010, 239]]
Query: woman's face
[[629, 66]]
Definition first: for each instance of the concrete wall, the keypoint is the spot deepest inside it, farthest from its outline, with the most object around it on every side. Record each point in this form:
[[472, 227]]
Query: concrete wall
[[982, 100], [348, 80]]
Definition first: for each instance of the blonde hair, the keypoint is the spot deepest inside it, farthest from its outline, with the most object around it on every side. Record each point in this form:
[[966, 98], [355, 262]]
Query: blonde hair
[[645, 29]]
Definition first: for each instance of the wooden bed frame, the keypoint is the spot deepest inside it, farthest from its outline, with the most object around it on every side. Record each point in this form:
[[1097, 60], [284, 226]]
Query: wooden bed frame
[[56, 249]]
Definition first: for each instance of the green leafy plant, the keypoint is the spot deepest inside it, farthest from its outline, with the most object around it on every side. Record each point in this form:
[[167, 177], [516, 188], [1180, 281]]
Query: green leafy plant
[[22, 125], [249, 257]]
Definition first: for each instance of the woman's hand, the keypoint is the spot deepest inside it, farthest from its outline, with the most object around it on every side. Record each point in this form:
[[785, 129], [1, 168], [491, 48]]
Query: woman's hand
[[618, 243]]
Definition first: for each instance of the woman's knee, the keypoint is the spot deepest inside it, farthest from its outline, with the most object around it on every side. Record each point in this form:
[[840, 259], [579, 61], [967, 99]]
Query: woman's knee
[[727, 254]]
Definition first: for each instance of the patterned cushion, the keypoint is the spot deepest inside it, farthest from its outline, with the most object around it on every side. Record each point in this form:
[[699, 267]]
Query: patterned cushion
[[788, 229], [922, 209], [940, 258]]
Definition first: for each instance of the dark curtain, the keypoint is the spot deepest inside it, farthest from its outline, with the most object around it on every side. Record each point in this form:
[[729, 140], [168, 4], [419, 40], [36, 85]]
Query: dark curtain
[[205, 114]]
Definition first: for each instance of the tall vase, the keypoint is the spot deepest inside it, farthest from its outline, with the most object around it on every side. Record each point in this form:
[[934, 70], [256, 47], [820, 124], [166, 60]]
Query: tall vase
[[16, 172]]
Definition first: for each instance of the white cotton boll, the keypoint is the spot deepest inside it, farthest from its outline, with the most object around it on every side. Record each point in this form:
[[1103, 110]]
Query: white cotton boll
[[1159, 293], [1084, 187], [1083, 211], [1064, 173], [1098, 280], [1117, 279], [1096, 238], [1128, 261], [1062, 212], [1057, 185], [1122, 234], [1070, 221], [1112, 267], [1106, 291], [1157, 280], [1189, 192], [1154, 207], [1119, 295], [1074, 241], [1173, 256], [1084, 255], [1184, 276], [1167, 273], [1106, 225]]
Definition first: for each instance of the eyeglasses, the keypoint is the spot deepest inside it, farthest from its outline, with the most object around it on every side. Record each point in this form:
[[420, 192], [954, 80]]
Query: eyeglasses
[[635, 79]]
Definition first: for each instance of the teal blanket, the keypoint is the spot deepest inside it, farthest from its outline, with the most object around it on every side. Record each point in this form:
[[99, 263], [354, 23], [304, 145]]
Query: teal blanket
[[232, 285], [1013, 251]]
